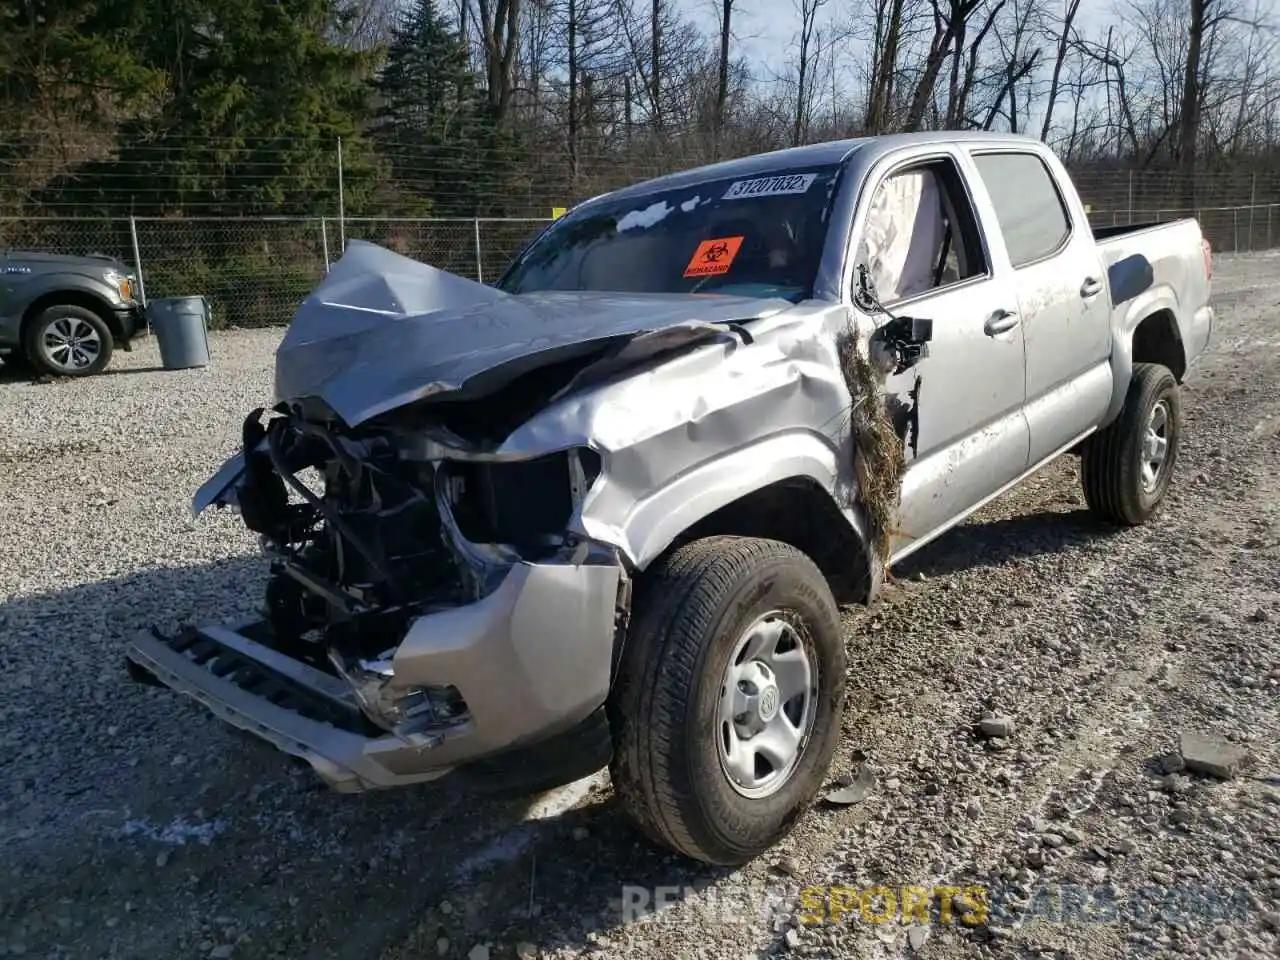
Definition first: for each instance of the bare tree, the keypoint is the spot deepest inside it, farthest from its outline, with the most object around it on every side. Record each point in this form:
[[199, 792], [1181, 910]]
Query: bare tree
[[722, 77], [961, 90], [1065, 35], [1114, 62], [949, 19], [499, 25], [1018, 61], [806, 65], [888, 19]]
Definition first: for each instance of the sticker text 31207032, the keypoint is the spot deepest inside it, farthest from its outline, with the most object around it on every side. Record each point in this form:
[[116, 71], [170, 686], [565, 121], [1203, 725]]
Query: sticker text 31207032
[[770, 186]]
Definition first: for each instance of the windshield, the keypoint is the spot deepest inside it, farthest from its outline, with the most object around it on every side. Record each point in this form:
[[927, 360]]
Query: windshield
[[759, 237]]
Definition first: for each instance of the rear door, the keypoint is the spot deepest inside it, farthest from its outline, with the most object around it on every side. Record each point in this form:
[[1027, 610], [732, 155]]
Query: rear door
[[1061, 289], [923, 237]]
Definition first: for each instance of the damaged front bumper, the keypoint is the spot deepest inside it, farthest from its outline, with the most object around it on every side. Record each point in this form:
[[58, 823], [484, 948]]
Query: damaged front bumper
[[529, 662]]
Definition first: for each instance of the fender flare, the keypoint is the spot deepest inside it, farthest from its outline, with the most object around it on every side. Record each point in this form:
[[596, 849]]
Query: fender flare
[[1153, 301]]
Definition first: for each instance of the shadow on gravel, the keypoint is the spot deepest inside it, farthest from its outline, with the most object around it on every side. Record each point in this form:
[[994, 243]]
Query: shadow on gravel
[[137, 824], [994, 543]]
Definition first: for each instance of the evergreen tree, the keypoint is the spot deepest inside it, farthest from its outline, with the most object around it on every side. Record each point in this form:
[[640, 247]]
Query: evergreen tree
[[256, 96], [430, 123]]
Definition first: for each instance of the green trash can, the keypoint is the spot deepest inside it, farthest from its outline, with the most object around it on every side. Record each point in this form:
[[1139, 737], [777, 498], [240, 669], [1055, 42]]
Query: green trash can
[[181, 326]]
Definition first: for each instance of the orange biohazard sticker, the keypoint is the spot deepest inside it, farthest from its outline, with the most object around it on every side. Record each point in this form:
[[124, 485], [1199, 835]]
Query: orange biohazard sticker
[[713, 257]]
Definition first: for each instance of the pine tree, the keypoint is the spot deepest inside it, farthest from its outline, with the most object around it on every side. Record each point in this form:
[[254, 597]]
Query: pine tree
[[254, 99], [430, 123]]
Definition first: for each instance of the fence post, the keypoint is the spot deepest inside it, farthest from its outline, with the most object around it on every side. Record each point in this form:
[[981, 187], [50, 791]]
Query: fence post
[[1235, 230], [1130, 220], [1253, 202], [324, 242], [342, 208], [479, 254], [137, 264]]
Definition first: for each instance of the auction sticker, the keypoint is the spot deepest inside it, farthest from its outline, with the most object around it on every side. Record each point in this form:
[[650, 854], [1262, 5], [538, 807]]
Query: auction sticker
[[713, 257], [770, 186]]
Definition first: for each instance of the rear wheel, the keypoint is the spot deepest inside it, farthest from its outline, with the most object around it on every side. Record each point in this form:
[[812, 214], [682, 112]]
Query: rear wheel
[[727, 708], [1126, 468], [68, 341]]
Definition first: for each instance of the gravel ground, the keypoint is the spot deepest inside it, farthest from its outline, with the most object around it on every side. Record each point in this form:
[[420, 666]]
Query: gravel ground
[[134, 825]]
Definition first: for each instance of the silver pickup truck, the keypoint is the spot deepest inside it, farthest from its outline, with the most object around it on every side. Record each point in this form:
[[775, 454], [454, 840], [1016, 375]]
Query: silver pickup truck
[[603, 512]]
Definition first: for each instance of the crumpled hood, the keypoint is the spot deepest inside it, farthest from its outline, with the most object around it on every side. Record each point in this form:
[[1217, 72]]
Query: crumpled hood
[[383, 330]]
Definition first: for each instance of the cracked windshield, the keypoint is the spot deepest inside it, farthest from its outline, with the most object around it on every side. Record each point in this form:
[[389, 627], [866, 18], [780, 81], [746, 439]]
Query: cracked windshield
[[757, 236]]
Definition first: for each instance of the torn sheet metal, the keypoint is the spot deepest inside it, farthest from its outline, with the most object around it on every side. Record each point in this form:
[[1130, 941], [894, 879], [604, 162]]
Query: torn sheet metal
[[680, 432], [383, 331]]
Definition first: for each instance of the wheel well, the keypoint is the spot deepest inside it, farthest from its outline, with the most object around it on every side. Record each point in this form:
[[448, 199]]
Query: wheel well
[[799, 512], [72, 298], [1158, 340]]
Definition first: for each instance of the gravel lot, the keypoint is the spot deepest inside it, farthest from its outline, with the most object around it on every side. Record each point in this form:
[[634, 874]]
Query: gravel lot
[[134, 825]]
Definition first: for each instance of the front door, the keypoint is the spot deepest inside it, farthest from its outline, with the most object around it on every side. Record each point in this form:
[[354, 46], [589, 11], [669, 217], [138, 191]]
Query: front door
[[922, 243]]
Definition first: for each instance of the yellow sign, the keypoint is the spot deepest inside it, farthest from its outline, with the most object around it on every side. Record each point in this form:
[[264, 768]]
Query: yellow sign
[[557, 212], [1088, 208]]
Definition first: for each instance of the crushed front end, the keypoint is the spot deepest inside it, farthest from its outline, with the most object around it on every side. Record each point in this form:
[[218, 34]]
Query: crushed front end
[[426, 609]]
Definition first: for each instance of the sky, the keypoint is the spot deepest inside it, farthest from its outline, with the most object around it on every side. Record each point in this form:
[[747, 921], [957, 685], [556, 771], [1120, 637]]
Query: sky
[[765, 30]]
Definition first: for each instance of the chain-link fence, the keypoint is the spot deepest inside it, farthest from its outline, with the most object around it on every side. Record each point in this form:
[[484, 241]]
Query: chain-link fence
[[255, 271]]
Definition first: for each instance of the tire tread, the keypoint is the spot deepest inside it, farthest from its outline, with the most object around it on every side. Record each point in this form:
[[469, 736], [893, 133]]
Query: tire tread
[[678, 602], [1109, 465]]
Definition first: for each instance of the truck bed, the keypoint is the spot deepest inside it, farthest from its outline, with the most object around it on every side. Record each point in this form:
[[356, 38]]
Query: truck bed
[[1178, 259]]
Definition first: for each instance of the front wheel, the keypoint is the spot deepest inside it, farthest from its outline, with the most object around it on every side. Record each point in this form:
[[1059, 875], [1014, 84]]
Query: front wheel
[[68, 341], [727, 708], [1126, 467]]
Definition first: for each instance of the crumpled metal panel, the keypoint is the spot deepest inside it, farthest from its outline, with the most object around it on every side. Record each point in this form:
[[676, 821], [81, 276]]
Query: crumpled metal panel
[[679, 437], [700, 430], [383, 330]]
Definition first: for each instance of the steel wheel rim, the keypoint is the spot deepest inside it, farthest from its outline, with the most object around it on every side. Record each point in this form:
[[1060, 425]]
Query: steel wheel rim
[[767, 706], [70, 343], [1155, 446]]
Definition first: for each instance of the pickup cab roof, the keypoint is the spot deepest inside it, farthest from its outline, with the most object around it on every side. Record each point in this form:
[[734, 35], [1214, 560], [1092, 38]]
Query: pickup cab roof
[[815, 154]]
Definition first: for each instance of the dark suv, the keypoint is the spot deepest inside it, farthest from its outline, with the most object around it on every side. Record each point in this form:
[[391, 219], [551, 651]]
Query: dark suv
[[66, 314]]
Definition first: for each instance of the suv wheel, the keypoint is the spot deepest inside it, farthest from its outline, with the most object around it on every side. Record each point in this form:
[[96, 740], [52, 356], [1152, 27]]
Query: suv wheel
[[727, 708], [68, 341], [1126, 468]]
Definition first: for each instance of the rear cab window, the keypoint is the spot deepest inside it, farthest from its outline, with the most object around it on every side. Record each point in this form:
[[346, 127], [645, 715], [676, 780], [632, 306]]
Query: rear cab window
[[1029, 206], [760, 235]]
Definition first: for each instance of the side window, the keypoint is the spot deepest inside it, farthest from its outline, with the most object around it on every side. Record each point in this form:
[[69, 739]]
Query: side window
[[920, 233], [1029, 207]]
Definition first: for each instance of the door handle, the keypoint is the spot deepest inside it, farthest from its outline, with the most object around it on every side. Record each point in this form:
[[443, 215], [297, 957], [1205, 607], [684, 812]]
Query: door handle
[[1090, 288], [1002, 321]]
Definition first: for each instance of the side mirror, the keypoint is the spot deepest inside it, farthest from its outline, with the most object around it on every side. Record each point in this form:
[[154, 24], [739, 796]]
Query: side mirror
[[864, 296]]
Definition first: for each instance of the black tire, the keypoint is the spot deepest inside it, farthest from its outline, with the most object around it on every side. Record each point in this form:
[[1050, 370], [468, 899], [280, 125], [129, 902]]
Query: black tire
[[1112, 461], [61, 322], [691, 610]]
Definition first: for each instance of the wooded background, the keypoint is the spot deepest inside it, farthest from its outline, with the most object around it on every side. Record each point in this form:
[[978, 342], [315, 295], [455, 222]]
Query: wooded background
[[219, 109]]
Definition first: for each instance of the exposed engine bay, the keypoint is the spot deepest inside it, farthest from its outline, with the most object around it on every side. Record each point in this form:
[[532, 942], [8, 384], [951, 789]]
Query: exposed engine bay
[[390, 535]]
